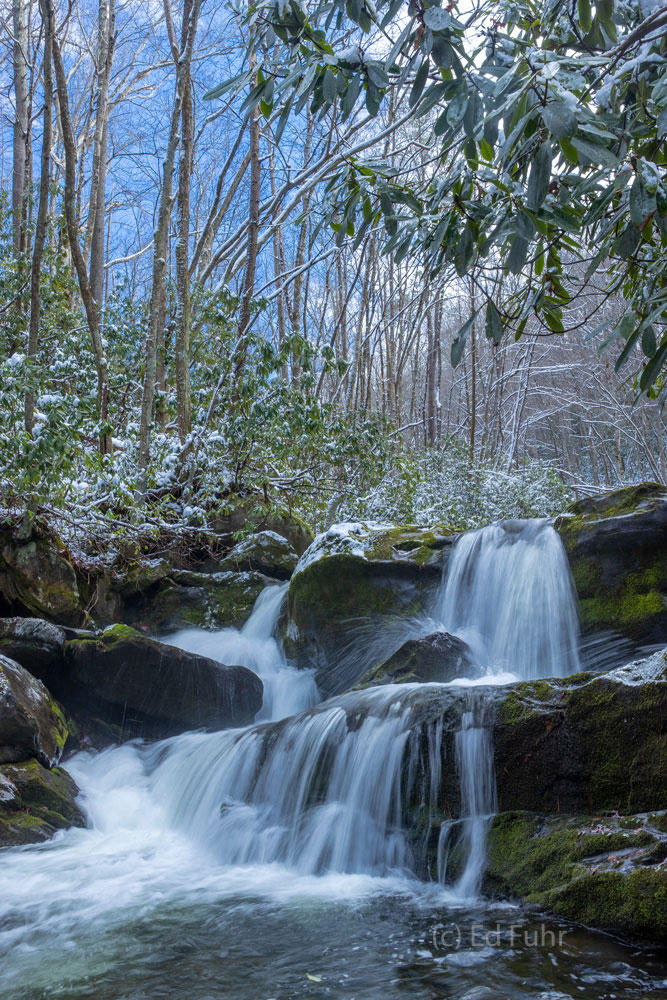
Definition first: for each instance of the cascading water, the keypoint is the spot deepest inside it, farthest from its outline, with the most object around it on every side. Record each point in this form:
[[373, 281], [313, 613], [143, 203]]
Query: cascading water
[[286, 691], [474, 763], [282, 805], [508, 592]]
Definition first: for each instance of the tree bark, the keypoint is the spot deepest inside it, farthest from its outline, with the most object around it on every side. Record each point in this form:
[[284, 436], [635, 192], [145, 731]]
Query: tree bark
[[97, 207], [91, 307], [42, 218], [182, 340], [161, 237], [251, 260], [21, 125]]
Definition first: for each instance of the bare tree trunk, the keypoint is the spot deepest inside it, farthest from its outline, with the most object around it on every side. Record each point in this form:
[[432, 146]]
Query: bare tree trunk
[[161, 238], [182, 339], [96, 214], [251, 258], [21, 124], [42, 217], [90, 305]]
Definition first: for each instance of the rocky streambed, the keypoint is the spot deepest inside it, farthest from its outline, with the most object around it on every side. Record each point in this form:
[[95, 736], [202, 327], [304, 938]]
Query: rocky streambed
[[577, 826]]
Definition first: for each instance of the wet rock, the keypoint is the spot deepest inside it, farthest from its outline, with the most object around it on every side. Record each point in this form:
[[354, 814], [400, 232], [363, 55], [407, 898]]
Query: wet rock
[[265, 552], [35, 644], [35, 803], [35, 574], [606, 872], [189, 599], [31, 724], [139, 687], [439, 658], [585, 743], [617, 547], [354, 572], [288, 525]]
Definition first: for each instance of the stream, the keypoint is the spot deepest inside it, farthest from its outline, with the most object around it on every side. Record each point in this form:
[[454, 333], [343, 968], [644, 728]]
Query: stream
[[272, 862]]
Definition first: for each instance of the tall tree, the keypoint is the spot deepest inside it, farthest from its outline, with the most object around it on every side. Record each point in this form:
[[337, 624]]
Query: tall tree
[[90, 304], [42, 215], [182, 56]]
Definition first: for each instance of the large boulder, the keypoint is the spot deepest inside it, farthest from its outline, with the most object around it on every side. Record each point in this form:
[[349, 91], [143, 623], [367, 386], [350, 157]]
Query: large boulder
[[36, 574], [439, 658], [147, 688], [264, 552], [617, 548], [189, 599], [35, 803], [585, 744], [35, 644], [354, 573], [31, 724]]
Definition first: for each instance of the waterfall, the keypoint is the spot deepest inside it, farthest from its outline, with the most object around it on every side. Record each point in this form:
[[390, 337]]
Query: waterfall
[[507, 591], [322, 792], [286, 691], [327, 797]]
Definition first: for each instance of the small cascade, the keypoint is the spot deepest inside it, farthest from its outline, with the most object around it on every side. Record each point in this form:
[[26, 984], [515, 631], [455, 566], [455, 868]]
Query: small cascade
[[508, 592], [474, 765], [323, 792], [286, 691]]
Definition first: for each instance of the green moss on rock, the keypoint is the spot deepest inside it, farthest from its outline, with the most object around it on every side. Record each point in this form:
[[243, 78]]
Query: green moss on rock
[[635, 904], [189, 599], [44, 801], [618, 557], [543, 861], [584, 744]]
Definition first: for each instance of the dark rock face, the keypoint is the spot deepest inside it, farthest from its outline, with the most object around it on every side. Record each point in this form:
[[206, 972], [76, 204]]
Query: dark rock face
[[197, 600], [440, 657], [289, 526], [264, 552], [359, 572], [31, 724], [35, 803], [585, 744], [35, 644], [606, 872], [617, 548], [36, 576], [140, 687]]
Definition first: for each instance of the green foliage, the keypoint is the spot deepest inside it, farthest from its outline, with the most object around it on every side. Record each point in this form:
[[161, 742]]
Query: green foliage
[[552, 125]]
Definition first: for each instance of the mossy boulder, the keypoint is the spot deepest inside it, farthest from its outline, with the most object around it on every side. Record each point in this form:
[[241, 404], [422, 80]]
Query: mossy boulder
[[258, 517], [357, 572], [147, 688], [35, 803], [31, 723], [596, 870], [586, 743], [264, 552], [439, 658], [36, 575], [617, 548], [189, 599]]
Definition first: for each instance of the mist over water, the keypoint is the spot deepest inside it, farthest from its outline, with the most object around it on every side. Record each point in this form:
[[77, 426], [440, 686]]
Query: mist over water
[[239, 863]]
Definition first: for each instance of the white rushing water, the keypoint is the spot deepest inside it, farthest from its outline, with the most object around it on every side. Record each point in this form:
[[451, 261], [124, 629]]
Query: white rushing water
[[286, 691], [314, 804], [508, 592]]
